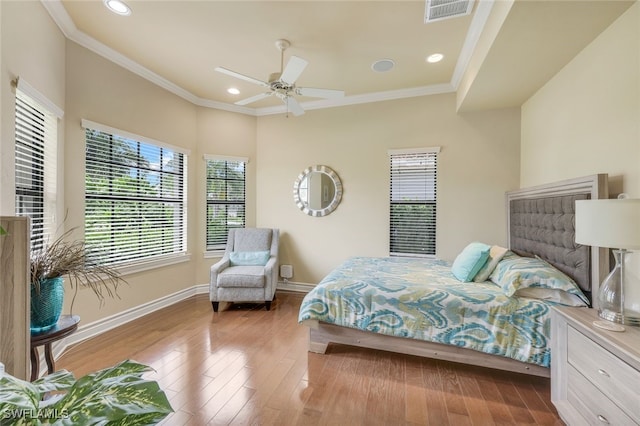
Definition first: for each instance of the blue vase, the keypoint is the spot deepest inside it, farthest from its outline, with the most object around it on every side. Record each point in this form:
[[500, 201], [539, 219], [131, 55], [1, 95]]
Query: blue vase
[[47, 305]]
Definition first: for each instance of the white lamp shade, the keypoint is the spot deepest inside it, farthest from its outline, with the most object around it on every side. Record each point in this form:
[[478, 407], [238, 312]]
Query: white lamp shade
[[608, 223]]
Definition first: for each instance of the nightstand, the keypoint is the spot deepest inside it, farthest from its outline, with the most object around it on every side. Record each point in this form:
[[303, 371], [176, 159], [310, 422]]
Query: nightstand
[[595, 374]]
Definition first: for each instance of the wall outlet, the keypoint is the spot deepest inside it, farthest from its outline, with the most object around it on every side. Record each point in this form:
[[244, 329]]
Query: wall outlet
[[286, 271]]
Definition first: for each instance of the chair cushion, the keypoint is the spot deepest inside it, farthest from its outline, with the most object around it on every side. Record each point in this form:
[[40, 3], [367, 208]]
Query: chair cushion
[[252, 239], [242, 276]]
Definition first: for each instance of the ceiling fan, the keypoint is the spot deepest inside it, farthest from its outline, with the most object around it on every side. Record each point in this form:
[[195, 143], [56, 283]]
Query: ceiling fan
[[282, 84]]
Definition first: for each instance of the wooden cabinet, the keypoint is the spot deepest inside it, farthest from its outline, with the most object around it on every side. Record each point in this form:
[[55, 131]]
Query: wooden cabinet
[[14, 296], [595, 374]]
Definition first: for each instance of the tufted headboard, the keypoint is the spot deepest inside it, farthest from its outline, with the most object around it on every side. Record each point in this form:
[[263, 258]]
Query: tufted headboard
[[541, 223]]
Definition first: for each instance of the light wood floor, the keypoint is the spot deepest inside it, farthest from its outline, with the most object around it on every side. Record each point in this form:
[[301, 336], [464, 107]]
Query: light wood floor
[[245, 365]]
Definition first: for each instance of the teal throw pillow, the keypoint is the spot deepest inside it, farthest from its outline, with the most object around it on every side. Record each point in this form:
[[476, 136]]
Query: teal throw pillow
[[249, 258], [470, 261]]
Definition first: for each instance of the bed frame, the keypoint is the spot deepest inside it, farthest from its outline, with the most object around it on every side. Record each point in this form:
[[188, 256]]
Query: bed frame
[[539, 222]]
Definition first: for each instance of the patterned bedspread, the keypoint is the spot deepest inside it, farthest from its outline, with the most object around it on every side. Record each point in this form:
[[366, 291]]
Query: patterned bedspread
[[421, 299]]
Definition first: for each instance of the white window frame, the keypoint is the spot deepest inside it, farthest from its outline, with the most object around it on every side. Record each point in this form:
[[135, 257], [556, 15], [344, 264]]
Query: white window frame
[[413, 183], [147, 260], [216, 250], [36, 157]]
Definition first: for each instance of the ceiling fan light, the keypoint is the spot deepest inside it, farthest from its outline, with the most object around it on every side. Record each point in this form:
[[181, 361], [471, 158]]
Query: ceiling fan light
[[118, 6], [383, 65]]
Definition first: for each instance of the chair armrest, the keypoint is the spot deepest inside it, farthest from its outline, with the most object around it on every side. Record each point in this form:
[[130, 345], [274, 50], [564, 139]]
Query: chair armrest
[[271, 275], [271, 263], [218, 267]]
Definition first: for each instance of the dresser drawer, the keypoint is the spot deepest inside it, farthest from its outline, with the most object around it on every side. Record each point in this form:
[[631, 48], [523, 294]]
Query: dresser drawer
[[605, 371], [593, 405]]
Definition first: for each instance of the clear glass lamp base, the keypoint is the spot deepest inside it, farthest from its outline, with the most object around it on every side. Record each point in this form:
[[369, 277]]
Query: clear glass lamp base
[[611, 296], [609, 326], [610, 315]]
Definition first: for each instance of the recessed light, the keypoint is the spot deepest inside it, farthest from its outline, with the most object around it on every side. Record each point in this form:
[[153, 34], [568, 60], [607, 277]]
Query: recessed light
[[118, 6], [436, 57], [383, 65], [233, 91]]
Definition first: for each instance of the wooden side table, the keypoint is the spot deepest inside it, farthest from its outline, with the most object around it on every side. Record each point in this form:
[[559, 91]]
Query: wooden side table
[[66, 325]]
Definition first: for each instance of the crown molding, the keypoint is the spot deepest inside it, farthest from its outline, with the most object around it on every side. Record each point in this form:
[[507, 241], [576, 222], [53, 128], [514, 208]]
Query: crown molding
[[365, 98], [473, 35], [68, 28], [208, 103], [60, 16], [62, 19]]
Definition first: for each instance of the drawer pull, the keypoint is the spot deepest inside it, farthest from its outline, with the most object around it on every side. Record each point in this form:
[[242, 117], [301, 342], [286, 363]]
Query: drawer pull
[[603, 373], [603, 419]]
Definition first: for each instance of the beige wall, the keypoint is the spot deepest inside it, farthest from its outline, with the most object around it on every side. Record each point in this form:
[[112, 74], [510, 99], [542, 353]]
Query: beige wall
[[587, 120], [479, 161], [222, 133], [32, 48], [100, 91], [88, 86], [39, 60]]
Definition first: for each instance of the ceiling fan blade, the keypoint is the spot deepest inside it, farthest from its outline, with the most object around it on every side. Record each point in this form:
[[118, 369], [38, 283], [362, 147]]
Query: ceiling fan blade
[[320, 93], [254, 98], [292, 71], [293, 106], [242, 76]]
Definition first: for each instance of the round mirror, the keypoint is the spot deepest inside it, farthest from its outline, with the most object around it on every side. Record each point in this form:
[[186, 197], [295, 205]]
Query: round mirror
[[317, 191]]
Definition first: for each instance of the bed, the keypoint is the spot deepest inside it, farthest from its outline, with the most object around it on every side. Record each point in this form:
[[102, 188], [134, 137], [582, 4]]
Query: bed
[[416, 306]]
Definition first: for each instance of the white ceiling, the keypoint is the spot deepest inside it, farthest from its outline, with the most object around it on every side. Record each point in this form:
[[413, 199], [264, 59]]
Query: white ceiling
[[177, 44]]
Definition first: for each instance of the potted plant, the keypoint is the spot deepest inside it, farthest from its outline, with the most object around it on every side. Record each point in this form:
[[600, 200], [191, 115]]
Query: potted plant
[[75, 260], [114, 396]]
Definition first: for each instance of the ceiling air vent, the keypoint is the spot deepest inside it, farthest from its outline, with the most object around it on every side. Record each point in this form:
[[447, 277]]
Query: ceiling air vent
[[444, 9]]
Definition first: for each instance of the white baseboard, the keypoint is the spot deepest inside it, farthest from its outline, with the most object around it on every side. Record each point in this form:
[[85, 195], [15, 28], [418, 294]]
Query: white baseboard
[[96, 328], [295, 286]]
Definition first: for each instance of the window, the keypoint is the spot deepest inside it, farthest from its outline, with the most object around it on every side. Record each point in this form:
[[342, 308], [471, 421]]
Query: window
[[413, 202], [135, 196], [35, 161], [226, 179]]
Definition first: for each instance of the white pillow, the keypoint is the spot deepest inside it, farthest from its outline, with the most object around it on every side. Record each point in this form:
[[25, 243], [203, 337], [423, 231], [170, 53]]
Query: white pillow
[[551, 295]]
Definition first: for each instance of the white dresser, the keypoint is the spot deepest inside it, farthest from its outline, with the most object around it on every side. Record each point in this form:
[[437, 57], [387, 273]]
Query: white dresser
[[595, 374]]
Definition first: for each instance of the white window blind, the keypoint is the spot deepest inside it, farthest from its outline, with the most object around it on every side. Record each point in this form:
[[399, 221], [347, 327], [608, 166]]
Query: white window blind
[[35, 160], [413, 202], [226, 184], [135, 198]]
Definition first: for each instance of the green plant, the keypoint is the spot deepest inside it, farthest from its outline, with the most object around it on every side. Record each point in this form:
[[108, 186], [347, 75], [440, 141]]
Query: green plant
[[2, 231], [76, 260], [114, 396]]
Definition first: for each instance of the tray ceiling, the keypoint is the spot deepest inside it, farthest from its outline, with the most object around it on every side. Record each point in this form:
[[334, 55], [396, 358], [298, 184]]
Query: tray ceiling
[[178, 44]]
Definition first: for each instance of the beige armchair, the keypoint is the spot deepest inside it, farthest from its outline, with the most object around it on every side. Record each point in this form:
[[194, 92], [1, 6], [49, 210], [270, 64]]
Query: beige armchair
[[248, 271]]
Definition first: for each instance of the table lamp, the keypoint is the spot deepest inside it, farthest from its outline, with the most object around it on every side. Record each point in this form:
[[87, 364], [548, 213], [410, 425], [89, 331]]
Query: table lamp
[[612, 224]]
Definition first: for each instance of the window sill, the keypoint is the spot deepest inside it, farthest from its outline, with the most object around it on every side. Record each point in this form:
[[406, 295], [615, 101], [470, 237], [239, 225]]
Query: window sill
[[158, 262], [424, 256], [212, 254]]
